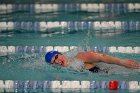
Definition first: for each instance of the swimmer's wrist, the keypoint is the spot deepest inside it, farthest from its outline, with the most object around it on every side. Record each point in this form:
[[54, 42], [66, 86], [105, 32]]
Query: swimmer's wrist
[[121, 62]]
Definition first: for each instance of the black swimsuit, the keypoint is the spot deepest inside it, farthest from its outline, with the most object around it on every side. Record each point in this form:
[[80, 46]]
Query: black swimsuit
[[94, 69], [97, 69]]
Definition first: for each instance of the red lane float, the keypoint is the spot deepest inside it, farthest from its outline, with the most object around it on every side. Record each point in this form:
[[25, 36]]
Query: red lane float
[[113, 85]]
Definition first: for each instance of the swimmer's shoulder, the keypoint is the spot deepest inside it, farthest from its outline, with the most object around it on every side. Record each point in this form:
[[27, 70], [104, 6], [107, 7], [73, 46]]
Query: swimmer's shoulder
[[82, 56]]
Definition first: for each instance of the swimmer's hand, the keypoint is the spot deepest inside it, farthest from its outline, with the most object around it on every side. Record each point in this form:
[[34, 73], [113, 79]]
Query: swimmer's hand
[[130, 63]]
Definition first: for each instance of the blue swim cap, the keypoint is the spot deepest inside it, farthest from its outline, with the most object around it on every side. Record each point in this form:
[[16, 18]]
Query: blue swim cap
[[49, 55]]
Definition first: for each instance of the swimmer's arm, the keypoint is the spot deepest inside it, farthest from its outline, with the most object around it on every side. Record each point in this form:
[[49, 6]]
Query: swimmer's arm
[[108, 59], [128, 63], [98, 57]]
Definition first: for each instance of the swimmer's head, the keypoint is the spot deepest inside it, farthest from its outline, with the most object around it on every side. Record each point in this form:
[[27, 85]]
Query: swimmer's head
[[56, 57], [50, 55]]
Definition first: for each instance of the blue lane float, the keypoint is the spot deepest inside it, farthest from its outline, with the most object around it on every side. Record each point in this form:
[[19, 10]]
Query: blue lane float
[[124, 85]]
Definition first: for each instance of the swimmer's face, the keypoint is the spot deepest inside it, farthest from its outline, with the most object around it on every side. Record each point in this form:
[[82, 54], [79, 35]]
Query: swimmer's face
[[59, 59]]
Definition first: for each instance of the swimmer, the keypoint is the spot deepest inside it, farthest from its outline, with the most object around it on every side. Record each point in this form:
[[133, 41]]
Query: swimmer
[[90, 59]]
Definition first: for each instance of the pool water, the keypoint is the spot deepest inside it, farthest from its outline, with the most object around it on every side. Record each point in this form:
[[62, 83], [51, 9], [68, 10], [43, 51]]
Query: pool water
[[32, 66], [79, 37]]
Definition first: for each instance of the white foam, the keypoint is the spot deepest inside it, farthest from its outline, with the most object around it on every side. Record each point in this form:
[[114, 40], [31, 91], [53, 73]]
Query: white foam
[[55, 7], [65, 48], [50, 24], [90, 7], [113, 49], [66, 84], [84, 7], [129, 50], [111, 24], [133, 85], [131, 7], [9, 84], [37, 6], [137, 50], [43, 6], [117, 24], [73, 47], [63, 24], [48, 48], [3, 7], [85, 84], [9, 6], [102, 7], [3, 25], [137, 5], [75, 84], [97, 25], [104, 25], [56, 24], [1, 86], [93, 7], [49, 6], [10, 25], [3, 50], [58, 48], [55, 84], [43, 26], [11, 49], [122, 49]]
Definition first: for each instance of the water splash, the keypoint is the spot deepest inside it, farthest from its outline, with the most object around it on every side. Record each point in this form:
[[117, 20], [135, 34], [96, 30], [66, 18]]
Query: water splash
[[86, 41]]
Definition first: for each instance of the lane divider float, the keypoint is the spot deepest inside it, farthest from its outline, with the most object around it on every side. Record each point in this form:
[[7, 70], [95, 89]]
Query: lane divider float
[[76, 25], [5, 50], [26, 85], [90, 7]]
